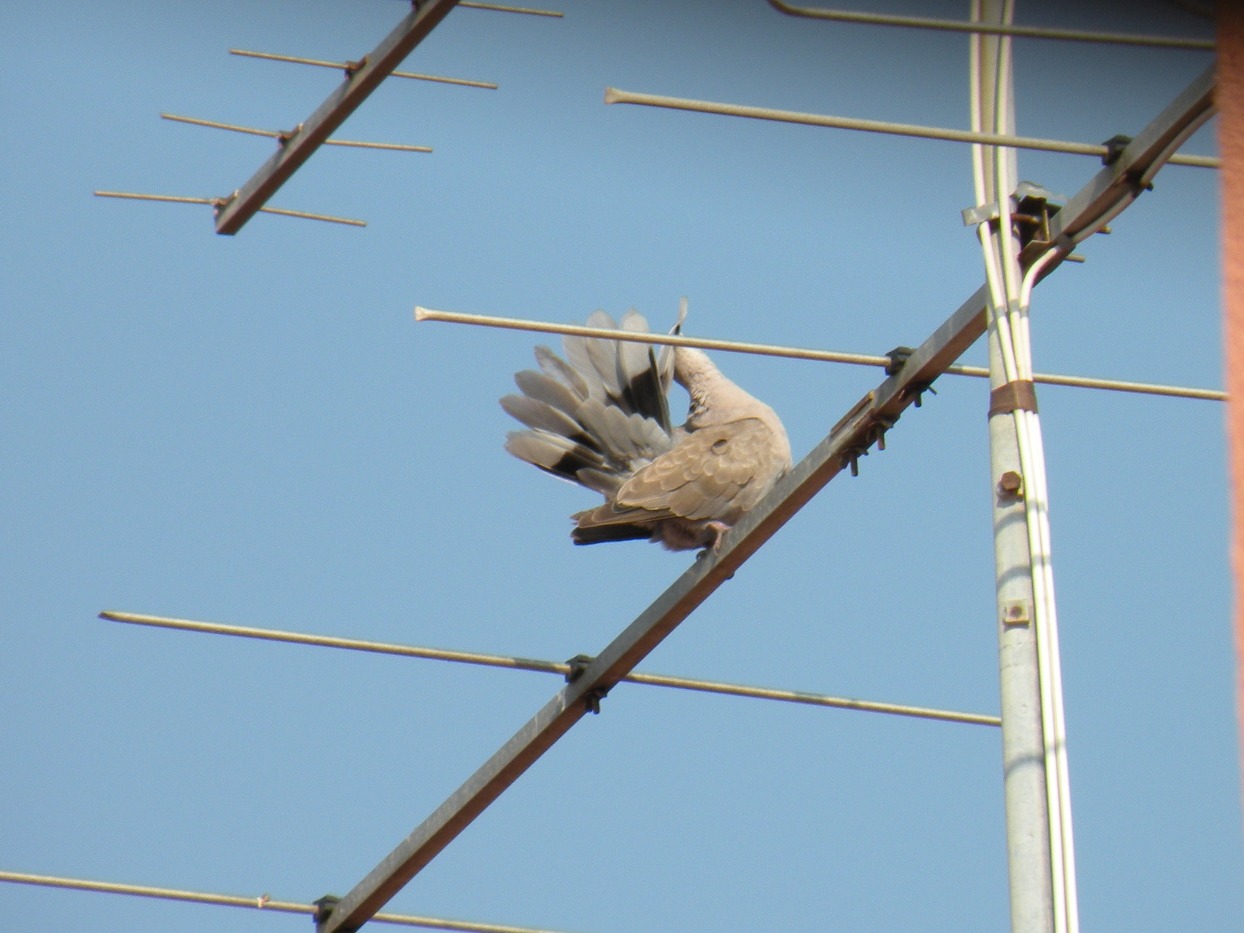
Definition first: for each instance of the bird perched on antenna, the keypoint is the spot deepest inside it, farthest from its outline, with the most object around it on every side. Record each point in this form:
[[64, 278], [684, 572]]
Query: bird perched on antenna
[[600, 418]]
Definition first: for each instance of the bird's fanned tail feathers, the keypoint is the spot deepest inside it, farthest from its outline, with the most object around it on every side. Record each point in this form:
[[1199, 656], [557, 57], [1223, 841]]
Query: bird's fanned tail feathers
[[597, 416]]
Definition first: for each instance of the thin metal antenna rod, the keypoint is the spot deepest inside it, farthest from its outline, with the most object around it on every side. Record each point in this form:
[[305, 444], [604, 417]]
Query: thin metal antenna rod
[[350, 66], [262, 902], [798, 353], [616, 96], [671, 340], [560, 668], [993, 29], [217, 202], [356, 88], [1109, 385], [501, 8], [283, 135]]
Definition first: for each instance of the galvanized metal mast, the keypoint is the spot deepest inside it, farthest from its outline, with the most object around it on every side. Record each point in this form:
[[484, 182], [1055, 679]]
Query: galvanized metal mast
[[1040, 864]]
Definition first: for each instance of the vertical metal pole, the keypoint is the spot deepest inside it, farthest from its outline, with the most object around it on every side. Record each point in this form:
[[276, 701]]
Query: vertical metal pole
[[1023, 747], [1023, 752]]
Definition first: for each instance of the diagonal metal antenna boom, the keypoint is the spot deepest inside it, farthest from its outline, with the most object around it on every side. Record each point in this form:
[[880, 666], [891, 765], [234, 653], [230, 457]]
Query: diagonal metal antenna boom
[[865, 424], [357, 87], [849, 440]]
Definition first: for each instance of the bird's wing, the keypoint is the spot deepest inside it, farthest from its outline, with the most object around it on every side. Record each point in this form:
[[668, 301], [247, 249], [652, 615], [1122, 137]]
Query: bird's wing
[[716, 473]]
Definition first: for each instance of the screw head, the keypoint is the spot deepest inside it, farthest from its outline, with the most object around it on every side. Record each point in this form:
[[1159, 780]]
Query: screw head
[[1011, 485]]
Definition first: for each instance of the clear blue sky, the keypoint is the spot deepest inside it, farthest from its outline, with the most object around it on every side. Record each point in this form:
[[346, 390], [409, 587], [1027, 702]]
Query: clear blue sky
[[253, 430]]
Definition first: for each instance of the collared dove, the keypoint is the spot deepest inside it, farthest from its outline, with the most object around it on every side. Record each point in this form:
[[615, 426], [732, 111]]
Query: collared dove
[[601, 419]]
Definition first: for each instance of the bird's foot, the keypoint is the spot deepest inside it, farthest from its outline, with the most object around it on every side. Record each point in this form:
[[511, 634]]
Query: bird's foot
[[716, 532]]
